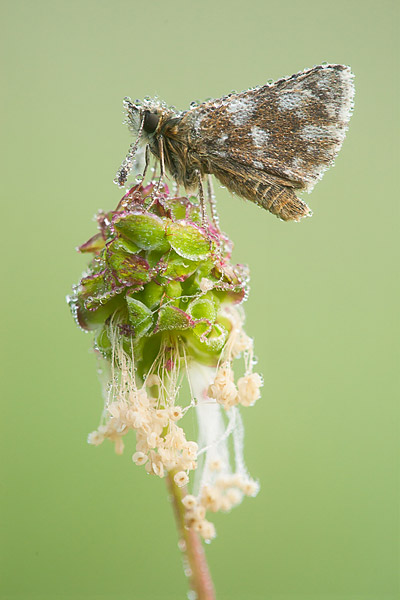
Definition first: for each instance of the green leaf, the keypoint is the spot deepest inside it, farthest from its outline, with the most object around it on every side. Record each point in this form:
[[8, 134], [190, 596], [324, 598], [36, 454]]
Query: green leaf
[[182, 208], [193, 212], [188, 240], [153, 257], [91, 319], [128, 268], [173, 289], [96, 290], [93, 286], [102, 342], [175, 207], [214, 340], [151, 294], [170, 317], [202, 308], [140, 316], [178, 268], [205, 268], [95, 244], [127, 246], [146, 230]]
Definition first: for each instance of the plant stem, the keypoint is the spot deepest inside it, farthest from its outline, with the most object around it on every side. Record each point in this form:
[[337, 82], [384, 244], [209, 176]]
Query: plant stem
[[191, 546]]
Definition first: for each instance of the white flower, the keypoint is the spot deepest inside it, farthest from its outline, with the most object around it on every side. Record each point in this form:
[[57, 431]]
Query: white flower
[[139, 458], [249, 389], [116, 409], [181, 478], [234, 496], [95, 438], [189, 450], [189, 501], [153, 440], [175, 413], [250, 487], [207, 530], [223, 388]]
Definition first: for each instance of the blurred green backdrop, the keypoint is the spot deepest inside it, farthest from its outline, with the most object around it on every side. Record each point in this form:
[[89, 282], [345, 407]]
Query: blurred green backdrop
[[82, 523]]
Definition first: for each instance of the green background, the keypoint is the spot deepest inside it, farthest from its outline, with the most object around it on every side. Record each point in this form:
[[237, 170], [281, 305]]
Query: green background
[[82, 523]]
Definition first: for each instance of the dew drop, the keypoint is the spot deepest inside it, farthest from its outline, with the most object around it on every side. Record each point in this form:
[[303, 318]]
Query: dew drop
[[182, 545]]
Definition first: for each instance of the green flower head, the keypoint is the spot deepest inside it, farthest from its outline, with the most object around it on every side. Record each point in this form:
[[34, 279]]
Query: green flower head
[[163, 300]]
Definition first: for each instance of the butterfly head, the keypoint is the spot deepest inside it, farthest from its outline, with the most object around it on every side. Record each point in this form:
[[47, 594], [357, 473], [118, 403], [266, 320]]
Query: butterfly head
[[143, 116]]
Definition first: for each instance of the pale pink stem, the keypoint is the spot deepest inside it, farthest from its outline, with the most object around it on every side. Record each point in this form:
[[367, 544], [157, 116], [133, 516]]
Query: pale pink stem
[[190, 544]]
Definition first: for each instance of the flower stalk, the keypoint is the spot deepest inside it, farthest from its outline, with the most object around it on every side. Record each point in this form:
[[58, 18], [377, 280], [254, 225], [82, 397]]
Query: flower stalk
[[195, 562]]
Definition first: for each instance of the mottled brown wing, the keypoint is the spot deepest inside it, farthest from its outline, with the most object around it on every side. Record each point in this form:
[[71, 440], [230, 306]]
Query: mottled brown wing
[[291, 130]]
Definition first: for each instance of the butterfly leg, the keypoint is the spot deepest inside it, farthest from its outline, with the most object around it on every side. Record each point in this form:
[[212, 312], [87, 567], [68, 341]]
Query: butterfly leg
[[162, 165], [146, 161], [202, 203], [212, 203]]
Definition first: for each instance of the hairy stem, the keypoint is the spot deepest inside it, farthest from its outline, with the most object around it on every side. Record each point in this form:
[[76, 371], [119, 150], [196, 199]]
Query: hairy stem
[[191, 546]]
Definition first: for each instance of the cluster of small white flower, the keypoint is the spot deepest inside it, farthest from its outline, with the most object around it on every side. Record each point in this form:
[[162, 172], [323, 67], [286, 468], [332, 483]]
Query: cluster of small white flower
[[224, 390], [161, 445], [227, 492]]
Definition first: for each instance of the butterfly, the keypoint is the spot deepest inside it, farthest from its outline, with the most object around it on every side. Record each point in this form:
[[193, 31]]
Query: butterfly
[[265, 144]]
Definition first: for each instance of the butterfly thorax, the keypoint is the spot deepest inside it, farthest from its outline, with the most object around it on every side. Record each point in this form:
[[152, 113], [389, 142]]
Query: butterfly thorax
[[172, 138]]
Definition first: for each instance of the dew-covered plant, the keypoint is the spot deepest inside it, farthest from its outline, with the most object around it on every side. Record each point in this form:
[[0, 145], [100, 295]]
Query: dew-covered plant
[[164, 303]]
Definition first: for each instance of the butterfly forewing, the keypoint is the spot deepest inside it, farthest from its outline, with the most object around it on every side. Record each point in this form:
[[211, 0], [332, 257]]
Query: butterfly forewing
[[291, 129]]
